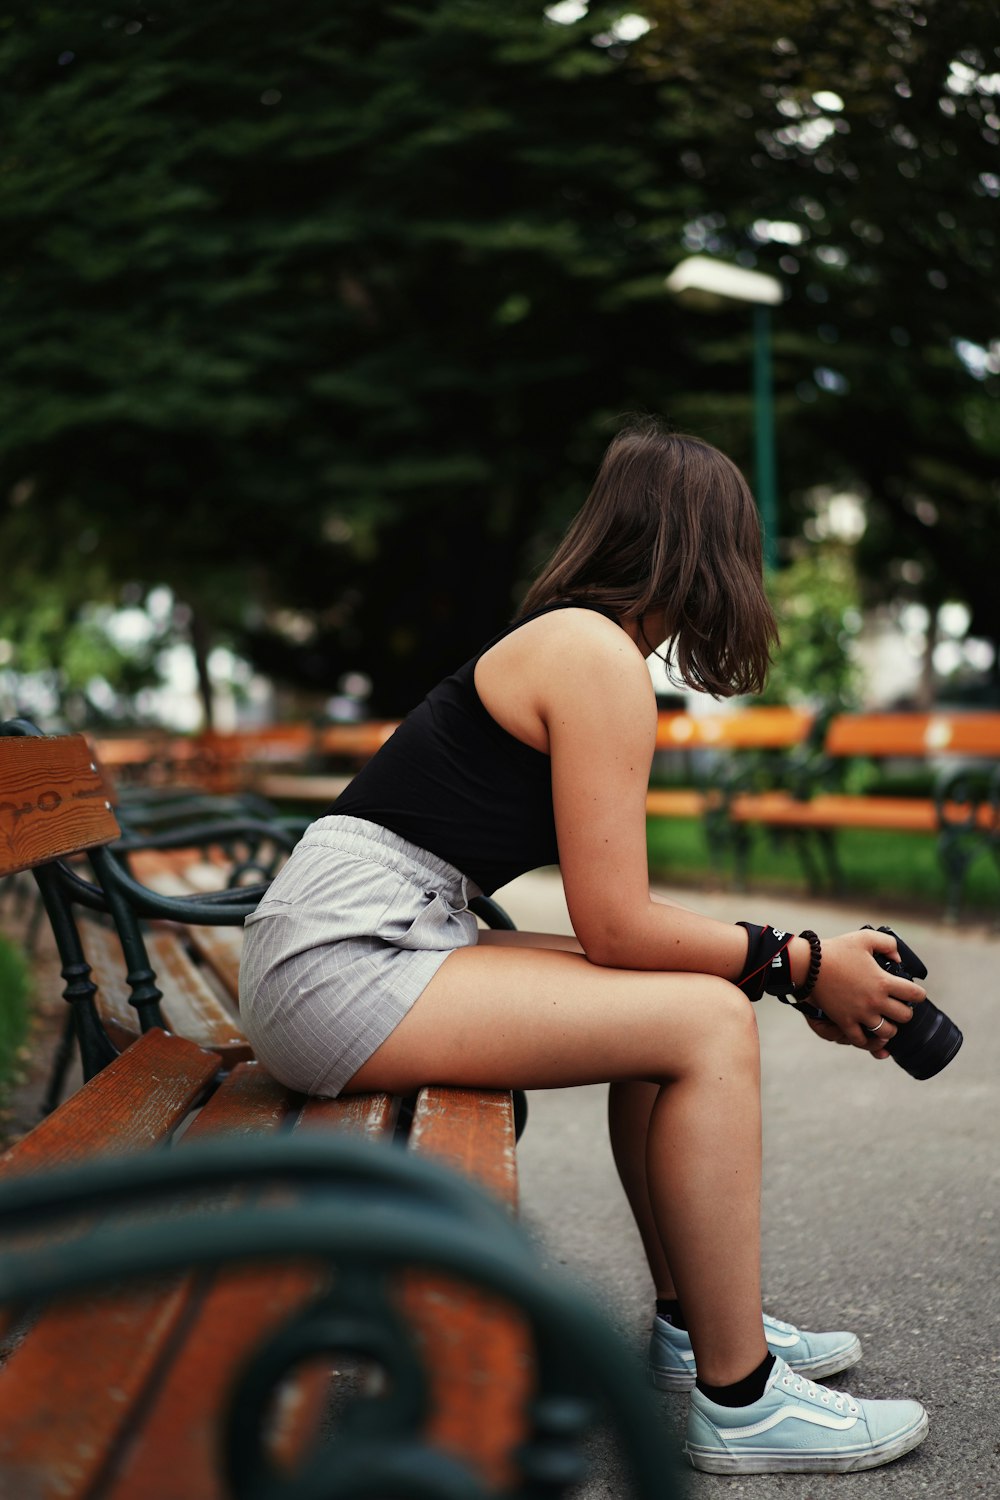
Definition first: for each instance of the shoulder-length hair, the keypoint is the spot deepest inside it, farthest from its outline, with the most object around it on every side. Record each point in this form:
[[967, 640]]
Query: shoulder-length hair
[[671, 525]]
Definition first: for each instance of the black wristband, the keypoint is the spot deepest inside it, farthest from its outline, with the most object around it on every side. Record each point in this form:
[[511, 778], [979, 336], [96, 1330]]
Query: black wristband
[[767, 966], [804, 990], [778, 979]]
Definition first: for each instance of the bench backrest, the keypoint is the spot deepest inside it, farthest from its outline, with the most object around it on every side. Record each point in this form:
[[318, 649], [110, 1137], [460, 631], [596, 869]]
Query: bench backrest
[[356, 740], [913, 734], [765, 728], [53, 801]]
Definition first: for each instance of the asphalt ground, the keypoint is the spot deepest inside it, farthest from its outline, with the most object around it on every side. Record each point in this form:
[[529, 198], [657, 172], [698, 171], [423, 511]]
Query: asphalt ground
[[881, 1208]]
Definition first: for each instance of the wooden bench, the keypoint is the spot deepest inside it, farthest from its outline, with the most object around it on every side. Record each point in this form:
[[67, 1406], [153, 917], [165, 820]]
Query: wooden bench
[[962, 811], [183, 977], [728, 773], [171, 963], [737, 747], [319, 1237], [153, 762], [340, 748], [216, 761], [293, 762]]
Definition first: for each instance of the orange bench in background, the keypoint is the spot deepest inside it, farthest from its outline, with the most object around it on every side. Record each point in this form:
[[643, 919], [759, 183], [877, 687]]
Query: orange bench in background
[[775, 729], [963, 749], [754, 767], [711, 756]]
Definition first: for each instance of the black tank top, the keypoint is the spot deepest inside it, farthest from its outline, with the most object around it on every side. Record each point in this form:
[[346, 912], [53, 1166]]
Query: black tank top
[[454, 782]]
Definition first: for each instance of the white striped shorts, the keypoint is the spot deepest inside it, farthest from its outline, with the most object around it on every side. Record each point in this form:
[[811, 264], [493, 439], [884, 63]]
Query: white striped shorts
[[351, 930]]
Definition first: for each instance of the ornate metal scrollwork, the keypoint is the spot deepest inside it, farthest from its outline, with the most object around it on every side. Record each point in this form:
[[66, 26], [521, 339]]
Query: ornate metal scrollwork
[[372, 1213], [358, 1319]]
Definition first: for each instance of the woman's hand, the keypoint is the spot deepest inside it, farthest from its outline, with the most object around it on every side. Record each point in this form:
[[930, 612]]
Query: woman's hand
[[855, 993]]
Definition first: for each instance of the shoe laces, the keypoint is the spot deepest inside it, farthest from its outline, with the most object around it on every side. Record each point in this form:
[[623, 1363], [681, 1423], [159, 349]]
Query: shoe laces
[[841, 1401]]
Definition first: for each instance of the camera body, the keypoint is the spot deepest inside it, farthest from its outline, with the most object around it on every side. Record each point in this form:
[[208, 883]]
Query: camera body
[[925, 1044]]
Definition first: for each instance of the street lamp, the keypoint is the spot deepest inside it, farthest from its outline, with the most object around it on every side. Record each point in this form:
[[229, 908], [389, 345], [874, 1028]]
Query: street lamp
[[708, 284]]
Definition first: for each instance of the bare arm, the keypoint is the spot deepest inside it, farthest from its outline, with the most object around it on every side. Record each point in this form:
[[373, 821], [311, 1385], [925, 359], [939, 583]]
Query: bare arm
[[597, 702], [599, 708]]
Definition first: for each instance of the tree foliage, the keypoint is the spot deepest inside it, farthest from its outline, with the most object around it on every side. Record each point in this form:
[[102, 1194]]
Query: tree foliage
[[817, 600], [322, 317], [855, 156]]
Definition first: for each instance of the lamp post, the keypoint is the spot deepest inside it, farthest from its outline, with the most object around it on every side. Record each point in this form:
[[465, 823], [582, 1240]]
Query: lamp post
[[709, 284]]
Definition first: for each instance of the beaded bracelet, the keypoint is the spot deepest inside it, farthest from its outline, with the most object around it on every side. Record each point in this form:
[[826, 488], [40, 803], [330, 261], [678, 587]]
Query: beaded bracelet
[[804, 990]]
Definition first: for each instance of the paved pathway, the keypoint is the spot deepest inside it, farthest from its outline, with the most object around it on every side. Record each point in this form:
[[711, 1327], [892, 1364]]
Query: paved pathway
[[881, 1208]]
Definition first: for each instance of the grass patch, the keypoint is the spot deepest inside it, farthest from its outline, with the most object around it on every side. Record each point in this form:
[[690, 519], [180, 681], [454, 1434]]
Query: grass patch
[[15, 988], [900, 867]]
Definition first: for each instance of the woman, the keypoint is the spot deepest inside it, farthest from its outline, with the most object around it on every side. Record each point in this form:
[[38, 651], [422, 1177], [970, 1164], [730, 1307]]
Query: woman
[[364, 970]]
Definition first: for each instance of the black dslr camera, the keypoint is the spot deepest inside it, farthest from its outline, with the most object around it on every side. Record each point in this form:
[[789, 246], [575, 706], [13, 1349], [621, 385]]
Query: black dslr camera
[[928, 1042]]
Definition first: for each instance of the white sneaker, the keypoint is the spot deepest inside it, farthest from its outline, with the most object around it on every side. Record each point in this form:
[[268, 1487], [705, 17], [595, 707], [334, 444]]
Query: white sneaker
[[798, 1427]]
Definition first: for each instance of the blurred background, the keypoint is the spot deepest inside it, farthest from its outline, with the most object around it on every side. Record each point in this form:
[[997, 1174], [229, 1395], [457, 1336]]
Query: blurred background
[[317, 319]]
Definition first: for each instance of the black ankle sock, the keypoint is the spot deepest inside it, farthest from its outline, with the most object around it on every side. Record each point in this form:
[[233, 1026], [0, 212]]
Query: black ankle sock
[[670, 1308], [741, 1392]]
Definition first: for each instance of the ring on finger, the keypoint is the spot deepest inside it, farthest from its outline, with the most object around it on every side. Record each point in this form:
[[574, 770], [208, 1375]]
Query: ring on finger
[[872, 1030]]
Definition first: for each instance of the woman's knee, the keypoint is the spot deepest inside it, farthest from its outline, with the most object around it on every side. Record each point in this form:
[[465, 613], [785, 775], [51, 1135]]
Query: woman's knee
[[724, 1033], [736, 1042], [732, 1006]]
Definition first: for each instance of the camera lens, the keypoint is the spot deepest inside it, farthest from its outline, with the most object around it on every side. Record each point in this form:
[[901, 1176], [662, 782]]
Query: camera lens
[[926, 1043], [929, 1040]]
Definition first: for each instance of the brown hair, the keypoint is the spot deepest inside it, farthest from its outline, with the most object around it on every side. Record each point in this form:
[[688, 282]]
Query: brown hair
[[671, 525]]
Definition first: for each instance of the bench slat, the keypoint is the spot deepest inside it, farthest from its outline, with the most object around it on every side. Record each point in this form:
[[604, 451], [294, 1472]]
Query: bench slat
[[66, 1391], [360, 740], [294, 786], [192, 873], [103, 951], [764, 728], [472, 1131], [675, 802], [240, 1309], [117, 1111], [190, 1007], [369, 1115], [120, 1110], [176, 875], [137, 1101], [476, 1347], [831, 810], [911, 734], [220, 948], [167, 870]]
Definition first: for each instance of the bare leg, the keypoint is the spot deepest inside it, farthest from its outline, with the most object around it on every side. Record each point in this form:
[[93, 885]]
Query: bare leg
[[504, 1015], [630, 1106]]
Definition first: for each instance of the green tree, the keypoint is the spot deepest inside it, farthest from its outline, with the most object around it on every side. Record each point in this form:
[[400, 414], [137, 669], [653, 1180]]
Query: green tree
[[59, 654], [816, 599], [315, 323], [854, 153], [323, 320]]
